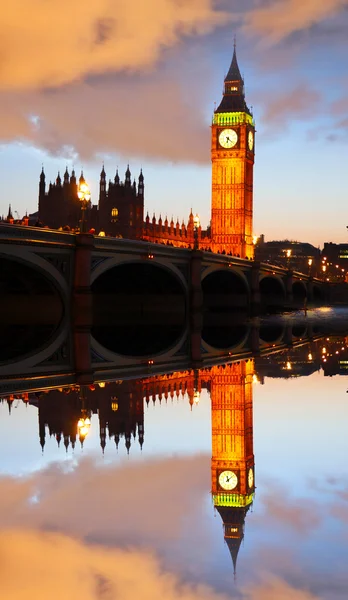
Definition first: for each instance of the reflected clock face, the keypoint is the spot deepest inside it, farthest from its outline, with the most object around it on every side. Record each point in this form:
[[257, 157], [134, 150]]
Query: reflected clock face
[[228, 138], [250, 140], [250, 478], [228, 480]]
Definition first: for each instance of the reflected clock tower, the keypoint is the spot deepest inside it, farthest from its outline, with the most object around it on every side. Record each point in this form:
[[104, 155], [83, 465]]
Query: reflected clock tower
[[232, 463], [232, 155]]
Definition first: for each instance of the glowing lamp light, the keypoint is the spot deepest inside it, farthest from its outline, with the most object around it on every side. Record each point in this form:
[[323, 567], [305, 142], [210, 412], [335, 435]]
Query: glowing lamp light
[[288, 366], [101, 384], [255, 379], [255, 239], [83, 427], [310, 357], [288, 253], [101, 234], [196, 221], [310, 261], [196, 397]]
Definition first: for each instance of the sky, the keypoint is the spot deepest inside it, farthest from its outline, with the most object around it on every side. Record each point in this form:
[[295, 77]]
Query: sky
[[123, 81]]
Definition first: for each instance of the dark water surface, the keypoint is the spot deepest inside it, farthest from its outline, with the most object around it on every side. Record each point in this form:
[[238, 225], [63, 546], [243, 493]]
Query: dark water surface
[[115, 490]]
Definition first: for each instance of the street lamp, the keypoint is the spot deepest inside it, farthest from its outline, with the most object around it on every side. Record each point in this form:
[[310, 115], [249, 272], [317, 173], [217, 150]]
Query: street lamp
[[84, 195], [288, 256], [84, 422], [196, 226], [310, 262]]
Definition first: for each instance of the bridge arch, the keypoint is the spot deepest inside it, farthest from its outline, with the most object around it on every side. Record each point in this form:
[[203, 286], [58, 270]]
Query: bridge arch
[[299, 290], [225, 289], [139, 308], [112, 358], [272, 334], [33, 309], [318, 293], [229, 338], [110, 263], [272, 291], [299, 331]]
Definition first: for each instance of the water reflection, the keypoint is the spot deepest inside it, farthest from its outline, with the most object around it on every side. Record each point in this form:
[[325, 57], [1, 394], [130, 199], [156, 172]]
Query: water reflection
[[232, 463], [171, 493]]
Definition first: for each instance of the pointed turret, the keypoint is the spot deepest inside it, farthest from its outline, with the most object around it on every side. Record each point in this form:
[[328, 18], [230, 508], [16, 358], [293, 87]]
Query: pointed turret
[[234, 72], [102, 184], [42, 175], [66, 176], [117, 178], [81, 179], [73, 177], [141, 183], [128, 177], [58, 180], [9, 214], [234, 97]]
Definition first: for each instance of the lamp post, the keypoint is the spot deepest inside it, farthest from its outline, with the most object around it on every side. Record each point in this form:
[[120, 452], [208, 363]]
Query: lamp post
[[84, 422], [324, 271], [196, 226], [310, 262], [84, 195], [288, 256]]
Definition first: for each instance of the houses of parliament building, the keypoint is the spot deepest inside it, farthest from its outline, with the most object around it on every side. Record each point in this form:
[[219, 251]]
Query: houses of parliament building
[[120, 209]]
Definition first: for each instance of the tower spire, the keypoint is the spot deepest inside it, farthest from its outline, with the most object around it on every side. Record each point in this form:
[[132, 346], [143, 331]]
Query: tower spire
[[234, 73]]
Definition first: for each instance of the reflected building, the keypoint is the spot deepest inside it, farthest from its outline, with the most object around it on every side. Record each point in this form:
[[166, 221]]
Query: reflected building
[[232, 463], [119, 406]]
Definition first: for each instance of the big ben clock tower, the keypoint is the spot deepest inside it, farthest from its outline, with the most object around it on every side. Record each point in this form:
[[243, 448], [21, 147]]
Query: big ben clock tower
[[232, 463], [232, 154]]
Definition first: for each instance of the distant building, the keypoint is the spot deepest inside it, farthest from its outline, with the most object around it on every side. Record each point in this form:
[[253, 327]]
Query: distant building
[[298, 256]]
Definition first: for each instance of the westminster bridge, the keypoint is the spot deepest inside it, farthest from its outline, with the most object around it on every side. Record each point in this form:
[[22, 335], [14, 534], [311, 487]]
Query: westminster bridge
[[88, 303]]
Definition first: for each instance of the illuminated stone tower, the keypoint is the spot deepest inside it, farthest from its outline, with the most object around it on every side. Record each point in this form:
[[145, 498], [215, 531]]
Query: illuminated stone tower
[[232, 154], [232, 463]]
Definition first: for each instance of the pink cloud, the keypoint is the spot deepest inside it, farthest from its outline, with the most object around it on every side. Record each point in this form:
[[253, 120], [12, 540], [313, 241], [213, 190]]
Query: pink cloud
[[61, 41], [279, 18]]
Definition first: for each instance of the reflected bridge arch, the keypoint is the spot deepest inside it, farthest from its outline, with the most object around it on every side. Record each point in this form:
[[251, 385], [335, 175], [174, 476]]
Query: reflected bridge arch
[[139, 308]]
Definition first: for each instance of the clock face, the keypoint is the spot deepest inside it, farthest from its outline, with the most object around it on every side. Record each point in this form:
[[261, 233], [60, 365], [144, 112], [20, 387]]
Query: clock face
[[250, 140], [228, 480], [250, 478], [228, 138]]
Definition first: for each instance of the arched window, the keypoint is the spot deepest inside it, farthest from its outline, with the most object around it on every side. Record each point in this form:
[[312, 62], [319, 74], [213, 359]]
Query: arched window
[[114, 215]]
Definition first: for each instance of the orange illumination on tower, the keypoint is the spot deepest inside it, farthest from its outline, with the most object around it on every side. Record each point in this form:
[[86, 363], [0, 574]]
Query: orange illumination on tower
[[232, 154], [232, 463]]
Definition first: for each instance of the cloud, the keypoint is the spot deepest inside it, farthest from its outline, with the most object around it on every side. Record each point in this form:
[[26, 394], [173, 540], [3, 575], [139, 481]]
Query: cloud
[[290, 514], [50, 44], [151, 119], [276, 589], [278, 19], [112, 499], [64, 567], [292, 103]]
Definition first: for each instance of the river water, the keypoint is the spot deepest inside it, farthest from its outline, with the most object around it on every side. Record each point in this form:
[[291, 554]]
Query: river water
[[224, 482]]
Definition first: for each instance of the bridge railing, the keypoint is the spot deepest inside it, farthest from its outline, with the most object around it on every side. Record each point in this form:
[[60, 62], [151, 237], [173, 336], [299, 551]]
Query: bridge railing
[[141, 246], [35, 234]]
